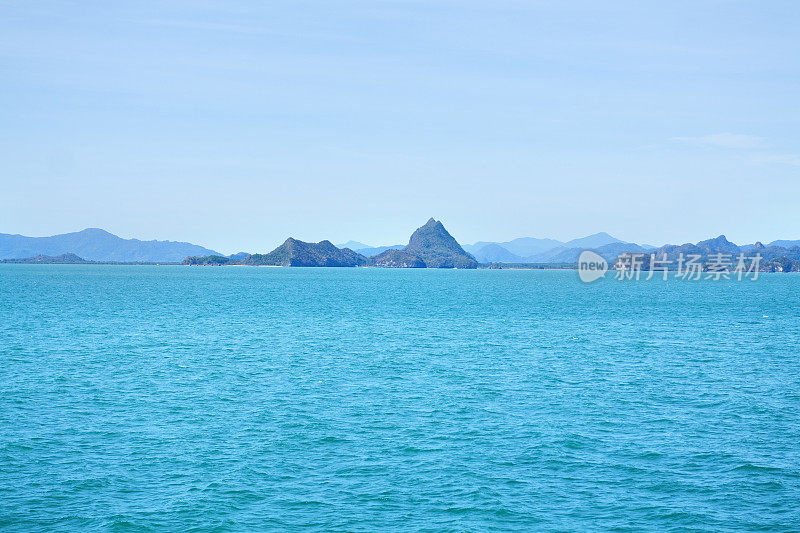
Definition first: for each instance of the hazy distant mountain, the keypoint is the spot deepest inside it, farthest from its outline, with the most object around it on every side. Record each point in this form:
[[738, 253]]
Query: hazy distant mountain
[[98, 245], [592, 241], [522, 247], [608, 251], [472, 248], [784, 244], [375, 250], [353, 245], [532, 250], [495, 253], [430, 246], [367, 250], [525, 246]]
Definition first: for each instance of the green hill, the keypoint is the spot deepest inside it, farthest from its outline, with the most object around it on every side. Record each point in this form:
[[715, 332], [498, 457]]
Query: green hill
[[308, 254], [63, 259]]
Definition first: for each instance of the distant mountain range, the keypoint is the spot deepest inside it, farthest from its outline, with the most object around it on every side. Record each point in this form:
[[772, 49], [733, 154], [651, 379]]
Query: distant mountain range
[[430, 246], [95, 244], [774, 258], [775, 249], [533, 250], [522, 247]]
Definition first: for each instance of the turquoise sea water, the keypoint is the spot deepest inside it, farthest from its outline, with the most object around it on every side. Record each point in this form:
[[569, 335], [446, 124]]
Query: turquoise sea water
[[172, 398]]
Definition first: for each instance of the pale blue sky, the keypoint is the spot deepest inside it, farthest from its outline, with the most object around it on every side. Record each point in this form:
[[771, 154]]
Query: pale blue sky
[[237, 124]]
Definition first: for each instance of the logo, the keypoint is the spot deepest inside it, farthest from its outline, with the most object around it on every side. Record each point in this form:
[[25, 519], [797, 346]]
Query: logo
[[591, 266]]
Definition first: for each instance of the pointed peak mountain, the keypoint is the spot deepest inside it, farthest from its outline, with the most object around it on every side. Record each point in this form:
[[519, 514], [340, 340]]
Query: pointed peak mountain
[[720, 244], [432, 223], [433, 235], [430, 245]]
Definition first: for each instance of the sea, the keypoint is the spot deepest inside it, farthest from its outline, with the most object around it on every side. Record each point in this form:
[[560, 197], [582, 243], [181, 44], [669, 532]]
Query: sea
[[171, 398]]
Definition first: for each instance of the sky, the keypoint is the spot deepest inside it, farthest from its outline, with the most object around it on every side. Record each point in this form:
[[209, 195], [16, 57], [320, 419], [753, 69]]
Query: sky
[[237, 124]]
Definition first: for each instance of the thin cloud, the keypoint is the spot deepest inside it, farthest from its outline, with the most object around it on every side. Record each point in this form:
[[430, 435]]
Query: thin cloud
[[753, 146], [207, 26], [785, 159], [725, 140]]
